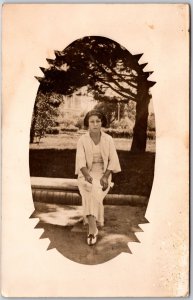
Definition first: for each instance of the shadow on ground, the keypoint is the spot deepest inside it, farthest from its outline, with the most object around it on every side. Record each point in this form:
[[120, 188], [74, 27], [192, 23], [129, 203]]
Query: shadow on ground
[[64, 228]]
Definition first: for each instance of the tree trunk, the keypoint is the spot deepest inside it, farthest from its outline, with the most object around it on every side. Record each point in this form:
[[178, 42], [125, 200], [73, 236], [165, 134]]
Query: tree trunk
[[141, 119], [33, 123], [118, 106], [32, 131]]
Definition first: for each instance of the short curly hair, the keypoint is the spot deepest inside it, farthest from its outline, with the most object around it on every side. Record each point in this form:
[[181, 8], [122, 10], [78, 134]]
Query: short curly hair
[[98, 113]]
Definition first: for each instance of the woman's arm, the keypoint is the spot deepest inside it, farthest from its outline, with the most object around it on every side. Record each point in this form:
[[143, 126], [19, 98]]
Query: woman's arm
[[113, 164], [86, 174], [81, 161], [104, 179], [107, 173], [80, 156]]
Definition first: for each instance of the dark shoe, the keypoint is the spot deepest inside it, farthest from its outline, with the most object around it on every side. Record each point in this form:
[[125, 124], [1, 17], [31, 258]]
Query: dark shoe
[[92, 238]]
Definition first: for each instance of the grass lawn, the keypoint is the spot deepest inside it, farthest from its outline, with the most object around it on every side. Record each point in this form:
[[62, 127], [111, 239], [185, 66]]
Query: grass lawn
[[69, 141], [55, 157]]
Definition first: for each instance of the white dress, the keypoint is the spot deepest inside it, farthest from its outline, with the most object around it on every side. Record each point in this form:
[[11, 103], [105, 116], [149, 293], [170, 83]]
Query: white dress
[[92, 194]]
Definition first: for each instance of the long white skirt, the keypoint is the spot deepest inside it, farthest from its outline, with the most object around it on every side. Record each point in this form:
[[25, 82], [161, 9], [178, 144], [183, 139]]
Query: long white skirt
[[93, 195]]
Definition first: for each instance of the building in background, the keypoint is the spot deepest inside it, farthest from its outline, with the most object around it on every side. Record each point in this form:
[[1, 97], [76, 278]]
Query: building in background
[[76, 104]]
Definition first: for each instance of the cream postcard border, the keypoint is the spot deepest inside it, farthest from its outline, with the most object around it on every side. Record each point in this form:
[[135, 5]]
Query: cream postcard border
[[159, 264]]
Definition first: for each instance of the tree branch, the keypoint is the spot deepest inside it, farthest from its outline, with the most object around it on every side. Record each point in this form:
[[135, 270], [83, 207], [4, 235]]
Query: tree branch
[[122, 78], [118, 92], [111, 78]]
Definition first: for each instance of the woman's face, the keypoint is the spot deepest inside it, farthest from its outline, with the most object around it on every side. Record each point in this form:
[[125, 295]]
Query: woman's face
[[94, 124]]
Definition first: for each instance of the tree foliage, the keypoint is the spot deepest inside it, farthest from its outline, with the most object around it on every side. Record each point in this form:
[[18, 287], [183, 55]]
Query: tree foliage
[[101, 64], [45, 112], [110, 110], [107, 70]]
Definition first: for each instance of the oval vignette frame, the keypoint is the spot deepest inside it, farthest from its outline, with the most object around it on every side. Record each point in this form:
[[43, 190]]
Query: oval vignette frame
[[99, 64]]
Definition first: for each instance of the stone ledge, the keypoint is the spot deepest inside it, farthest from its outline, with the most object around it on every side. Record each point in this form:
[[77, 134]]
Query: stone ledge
[[65, 191], [67, 184]]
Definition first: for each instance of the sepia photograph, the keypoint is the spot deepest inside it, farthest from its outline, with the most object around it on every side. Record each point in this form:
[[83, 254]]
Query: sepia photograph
[[95, 150], [93, 119]]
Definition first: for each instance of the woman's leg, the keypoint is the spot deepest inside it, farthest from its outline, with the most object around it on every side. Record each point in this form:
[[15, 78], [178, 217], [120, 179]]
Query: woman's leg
[[92, 224]]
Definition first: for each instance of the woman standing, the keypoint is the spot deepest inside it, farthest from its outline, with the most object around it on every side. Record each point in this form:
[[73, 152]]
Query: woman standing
[[96, 160]]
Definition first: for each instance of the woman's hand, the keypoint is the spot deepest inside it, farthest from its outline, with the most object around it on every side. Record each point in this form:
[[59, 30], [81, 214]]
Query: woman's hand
[[104, 182], [86, 174], [88, 178]]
